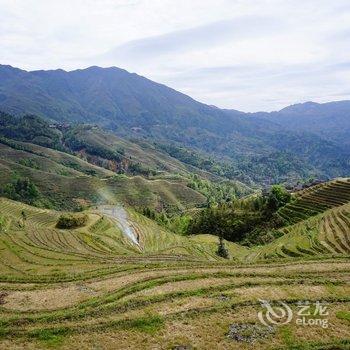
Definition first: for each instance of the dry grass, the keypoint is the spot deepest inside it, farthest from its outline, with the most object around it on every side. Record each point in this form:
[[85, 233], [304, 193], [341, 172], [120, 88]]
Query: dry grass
[[86, 289], [203, 332], [47, 299]]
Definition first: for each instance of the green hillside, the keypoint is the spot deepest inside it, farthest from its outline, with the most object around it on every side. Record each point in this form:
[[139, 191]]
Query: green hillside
[[254, 150], [321, 235], [89, 143], [326, 234], [27, 230], [85, 154], [318, 224], [132, 156], [65, 181]]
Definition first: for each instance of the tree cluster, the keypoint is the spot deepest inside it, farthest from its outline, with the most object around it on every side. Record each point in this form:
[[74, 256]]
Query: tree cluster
[[245, 221], [69, 221], [21, 189]]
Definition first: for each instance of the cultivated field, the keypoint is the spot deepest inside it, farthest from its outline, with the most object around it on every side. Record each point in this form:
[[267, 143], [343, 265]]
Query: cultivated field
[[93, 288], [319, 224]]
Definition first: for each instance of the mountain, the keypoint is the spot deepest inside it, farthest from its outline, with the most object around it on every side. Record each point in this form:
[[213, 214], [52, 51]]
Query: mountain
[[328, 120], [109, 96], [253, 148]]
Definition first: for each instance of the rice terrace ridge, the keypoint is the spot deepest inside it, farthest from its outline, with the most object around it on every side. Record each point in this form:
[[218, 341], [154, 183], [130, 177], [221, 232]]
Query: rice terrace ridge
[[133, 216]]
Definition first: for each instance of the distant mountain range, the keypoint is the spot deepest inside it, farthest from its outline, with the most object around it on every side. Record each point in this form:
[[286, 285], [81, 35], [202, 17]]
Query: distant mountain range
[[330, 120], [296, 142]]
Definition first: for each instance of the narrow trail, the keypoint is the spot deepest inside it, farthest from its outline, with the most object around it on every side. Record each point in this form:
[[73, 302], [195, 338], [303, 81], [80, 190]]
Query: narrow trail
[[120, 215]]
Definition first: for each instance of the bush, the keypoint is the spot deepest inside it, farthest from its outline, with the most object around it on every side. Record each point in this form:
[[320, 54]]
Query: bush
[[67, 221], [222, 250]]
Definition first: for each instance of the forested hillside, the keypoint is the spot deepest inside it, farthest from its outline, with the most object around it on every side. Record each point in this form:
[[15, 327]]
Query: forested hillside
[[249, 148], [329, 120]]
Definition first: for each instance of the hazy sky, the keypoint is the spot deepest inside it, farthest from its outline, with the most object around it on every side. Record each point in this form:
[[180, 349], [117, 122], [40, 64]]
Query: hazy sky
[[248, 55]]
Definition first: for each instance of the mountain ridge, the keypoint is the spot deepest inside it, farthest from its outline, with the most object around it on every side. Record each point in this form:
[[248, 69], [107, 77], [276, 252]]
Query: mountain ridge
[[330, 120], [133, 106], [98, 68]]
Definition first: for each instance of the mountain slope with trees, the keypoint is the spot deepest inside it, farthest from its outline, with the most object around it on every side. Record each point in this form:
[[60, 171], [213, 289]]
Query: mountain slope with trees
[[328, 120], [253, 148]]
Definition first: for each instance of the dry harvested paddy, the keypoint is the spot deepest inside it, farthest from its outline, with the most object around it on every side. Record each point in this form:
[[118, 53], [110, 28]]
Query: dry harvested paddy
[[191, 305], [90, 289]]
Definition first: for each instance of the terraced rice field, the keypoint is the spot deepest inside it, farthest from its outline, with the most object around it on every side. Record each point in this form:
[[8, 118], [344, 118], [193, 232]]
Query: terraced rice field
[[317, 199], [323, 235], [320, 218], [93, 288]]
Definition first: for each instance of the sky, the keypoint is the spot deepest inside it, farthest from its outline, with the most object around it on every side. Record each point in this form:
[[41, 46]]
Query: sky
[[249, 55]]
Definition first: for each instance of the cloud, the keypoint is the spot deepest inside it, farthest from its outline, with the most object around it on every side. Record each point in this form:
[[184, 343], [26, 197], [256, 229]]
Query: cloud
[[272, 87], [248, 55], [209, 35]]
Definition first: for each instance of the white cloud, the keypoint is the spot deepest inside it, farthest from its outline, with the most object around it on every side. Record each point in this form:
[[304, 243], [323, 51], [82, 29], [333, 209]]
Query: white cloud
[[243, 54]]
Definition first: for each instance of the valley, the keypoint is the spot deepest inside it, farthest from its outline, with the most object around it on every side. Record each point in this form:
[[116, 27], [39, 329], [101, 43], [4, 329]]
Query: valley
[[139, 218]]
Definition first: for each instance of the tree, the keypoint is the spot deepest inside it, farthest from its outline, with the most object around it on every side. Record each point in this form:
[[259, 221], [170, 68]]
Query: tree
[[277, 198], [224, 221], [222, 250]]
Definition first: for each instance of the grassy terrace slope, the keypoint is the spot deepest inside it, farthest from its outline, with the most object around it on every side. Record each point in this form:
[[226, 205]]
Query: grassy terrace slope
[[137, 151], [316, 199], [326, 234], [65, 180], [319, 224], [92, 288], [100, 240]]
